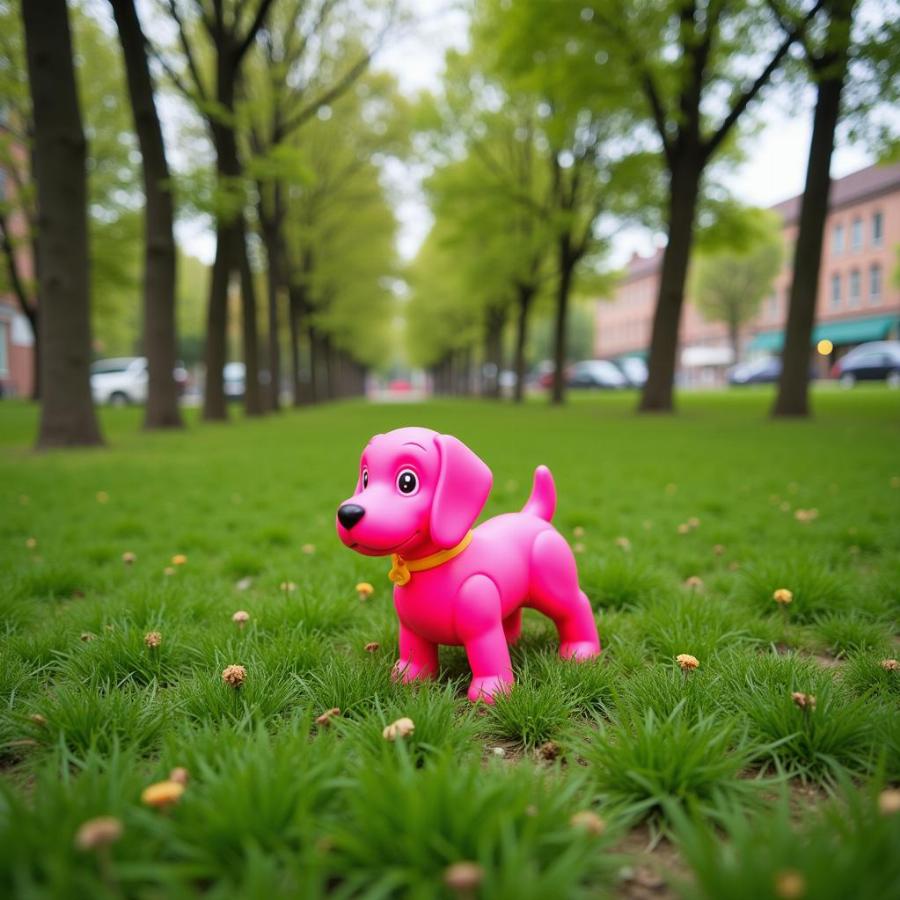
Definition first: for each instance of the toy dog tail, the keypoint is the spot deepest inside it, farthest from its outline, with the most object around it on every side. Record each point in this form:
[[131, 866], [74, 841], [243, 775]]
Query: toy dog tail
[[542, 502]]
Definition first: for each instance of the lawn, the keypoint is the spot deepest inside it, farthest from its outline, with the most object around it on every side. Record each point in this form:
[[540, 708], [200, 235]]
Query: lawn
[[770, 770]]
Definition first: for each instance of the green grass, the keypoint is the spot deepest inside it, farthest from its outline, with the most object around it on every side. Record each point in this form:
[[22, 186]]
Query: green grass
[[722, 761]]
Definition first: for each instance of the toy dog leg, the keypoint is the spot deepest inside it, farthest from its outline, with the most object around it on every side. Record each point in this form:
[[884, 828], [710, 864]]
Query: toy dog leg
[[555, 592], [418, 657], [480, 625], [512, 626]]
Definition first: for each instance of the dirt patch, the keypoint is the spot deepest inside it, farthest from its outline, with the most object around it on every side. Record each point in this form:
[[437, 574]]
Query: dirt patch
[[653, 861]]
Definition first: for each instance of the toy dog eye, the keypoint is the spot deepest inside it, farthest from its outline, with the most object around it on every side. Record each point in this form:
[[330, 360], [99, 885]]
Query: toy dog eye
[[365, 478], [407, 483]]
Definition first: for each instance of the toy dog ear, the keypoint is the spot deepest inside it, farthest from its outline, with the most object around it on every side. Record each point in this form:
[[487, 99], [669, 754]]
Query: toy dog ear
[[463, 486]]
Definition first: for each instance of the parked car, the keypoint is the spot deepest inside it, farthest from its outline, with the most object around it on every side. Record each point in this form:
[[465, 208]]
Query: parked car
[[123, 380], [596, 373], [119, 382], [235, 377], [757, 371], [634, 369], [875, 361]]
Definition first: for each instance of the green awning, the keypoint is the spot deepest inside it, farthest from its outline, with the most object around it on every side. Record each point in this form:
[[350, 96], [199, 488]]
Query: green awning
[[767, 340], [848, 331]]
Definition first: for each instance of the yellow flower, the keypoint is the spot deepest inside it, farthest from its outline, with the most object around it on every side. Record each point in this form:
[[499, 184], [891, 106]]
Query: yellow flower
[[463, 877], [578, 531], [308, 549], [684, 528], [687, 662], [783, 596], [179, 559], [790, 884], [623, 543], [693, 522], [31, 543], [288, 587], [152, 639], [234, 675], [589, 821], [400, 729], [179, 775], [365, 590], [718, 549], [889, 802], [169, 570], [695, 582], [99, 832], [890, 665], [579, 548], [128, 558], [162, 794], [241, 618]]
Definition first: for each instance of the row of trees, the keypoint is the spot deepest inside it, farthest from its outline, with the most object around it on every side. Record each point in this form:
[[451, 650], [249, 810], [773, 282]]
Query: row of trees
[[281, 91], [566, 121]]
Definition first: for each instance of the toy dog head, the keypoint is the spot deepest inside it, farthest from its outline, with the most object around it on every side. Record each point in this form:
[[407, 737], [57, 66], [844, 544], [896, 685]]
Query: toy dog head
[[418, 491]]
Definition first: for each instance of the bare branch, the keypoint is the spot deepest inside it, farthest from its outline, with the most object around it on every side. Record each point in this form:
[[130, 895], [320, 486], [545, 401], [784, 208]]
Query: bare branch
[[12, 266], [712, 143], [261, 12], [188, 51]]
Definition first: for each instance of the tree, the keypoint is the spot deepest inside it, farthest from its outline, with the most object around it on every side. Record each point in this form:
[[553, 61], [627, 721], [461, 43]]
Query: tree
[[67, 411], [829, 55], [676, 64], [309, 60], [339, 236], [159, 334], [225, 32], [729, 285]]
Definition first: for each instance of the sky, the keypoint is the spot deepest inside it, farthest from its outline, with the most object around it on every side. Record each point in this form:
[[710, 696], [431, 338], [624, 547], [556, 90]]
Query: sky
[[774, 169]]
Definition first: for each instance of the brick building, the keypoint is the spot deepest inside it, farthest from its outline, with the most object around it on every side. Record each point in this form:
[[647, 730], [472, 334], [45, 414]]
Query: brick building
[[16, 337], [857, 301]]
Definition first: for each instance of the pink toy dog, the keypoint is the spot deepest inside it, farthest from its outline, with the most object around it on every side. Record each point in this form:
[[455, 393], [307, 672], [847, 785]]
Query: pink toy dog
[[417, 497]]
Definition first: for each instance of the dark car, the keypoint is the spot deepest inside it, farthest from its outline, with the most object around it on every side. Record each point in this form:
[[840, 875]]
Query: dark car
[[596, 373], [876, 361], [758, 371]]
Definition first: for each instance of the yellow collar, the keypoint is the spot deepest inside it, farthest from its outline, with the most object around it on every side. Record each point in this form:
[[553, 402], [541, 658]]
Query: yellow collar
[[402, 569]]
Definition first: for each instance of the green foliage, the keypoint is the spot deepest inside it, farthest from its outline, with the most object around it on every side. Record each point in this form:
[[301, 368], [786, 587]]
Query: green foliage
[[729, 284], [846, 849]]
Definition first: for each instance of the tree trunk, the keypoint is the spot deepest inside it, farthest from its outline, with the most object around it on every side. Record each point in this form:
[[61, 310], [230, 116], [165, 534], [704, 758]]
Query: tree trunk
[[314, 348], [160, 340], [295, 311], [214, 405], [684, 186], [67, 412], [831, 71], [734, 336], [28, 305], [252, 389], [229, 238], [275, 282], [563, 289], [495, 320], [524, 299]]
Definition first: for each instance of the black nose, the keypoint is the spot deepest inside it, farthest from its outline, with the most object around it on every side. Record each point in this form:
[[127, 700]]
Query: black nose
[[349, 514]]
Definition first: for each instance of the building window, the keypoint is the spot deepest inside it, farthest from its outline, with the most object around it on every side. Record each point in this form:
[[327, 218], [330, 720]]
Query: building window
[[835, 291], [4, 358], [854, 288], [875, 284], [856, 235], [877, 229], [837, 240]]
